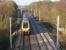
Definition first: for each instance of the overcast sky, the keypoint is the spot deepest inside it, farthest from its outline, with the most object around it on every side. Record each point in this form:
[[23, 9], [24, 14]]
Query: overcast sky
[[27, 2]]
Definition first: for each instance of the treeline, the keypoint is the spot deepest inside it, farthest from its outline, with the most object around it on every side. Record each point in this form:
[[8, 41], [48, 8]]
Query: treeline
[[49, 11], [7, 9]]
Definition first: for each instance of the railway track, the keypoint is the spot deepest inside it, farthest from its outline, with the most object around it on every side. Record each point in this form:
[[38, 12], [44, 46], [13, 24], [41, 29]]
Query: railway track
[[45, 42], [22, 43], [37, 40], [33, 42], [26, 42], [17, 43]]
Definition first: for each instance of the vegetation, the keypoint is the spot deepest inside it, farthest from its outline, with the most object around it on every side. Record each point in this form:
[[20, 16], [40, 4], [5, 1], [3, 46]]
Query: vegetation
[[7, 9], [62, 40], [49, 12]]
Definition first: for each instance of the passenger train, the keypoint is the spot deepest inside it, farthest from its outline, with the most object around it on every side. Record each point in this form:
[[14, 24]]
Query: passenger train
[[25, 26]]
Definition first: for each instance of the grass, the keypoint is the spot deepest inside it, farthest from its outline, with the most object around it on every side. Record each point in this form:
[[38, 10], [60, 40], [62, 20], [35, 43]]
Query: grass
[[4, 39], [4, 33], [63, 40]]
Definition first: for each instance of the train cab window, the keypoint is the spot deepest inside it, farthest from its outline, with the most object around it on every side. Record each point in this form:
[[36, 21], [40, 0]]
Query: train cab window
[[25, 25]]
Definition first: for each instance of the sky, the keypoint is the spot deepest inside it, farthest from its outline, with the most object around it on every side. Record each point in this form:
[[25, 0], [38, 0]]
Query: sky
[[27, 2]]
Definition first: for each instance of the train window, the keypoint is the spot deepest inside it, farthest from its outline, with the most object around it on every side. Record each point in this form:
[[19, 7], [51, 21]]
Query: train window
[[25, 25]]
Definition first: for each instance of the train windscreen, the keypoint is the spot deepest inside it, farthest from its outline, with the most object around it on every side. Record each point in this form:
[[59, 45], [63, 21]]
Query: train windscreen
[[25, 25]]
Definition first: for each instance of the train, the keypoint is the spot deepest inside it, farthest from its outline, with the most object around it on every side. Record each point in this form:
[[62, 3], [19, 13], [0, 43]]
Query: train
[[25, 26]]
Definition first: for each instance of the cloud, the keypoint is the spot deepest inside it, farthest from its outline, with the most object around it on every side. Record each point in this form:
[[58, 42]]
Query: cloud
[[55, 0], [25, 2]]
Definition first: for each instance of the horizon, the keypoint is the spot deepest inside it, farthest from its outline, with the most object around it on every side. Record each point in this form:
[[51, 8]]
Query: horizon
[[26, 2]]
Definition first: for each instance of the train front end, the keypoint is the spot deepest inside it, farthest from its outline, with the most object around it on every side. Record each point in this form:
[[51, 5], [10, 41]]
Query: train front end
[[25, 27]]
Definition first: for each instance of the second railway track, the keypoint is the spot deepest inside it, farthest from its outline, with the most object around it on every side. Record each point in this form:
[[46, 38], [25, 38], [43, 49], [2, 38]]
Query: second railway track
[[45, 42]]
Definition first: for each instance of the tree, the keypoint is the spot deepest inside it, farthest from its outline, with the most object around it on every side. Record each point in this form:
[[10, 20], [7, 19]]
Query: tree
[[7, 9]]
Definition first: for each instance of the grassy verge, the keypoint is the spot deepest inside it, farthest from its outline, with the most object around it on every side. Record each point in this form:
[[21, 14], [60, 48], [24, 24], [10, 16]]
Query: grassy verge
[[4, 40]]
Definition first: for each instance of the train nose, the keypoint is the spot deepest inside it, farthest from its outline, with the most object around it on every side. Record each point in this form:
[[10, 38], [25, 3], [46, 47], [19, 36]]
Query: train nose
[[25, 31]]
